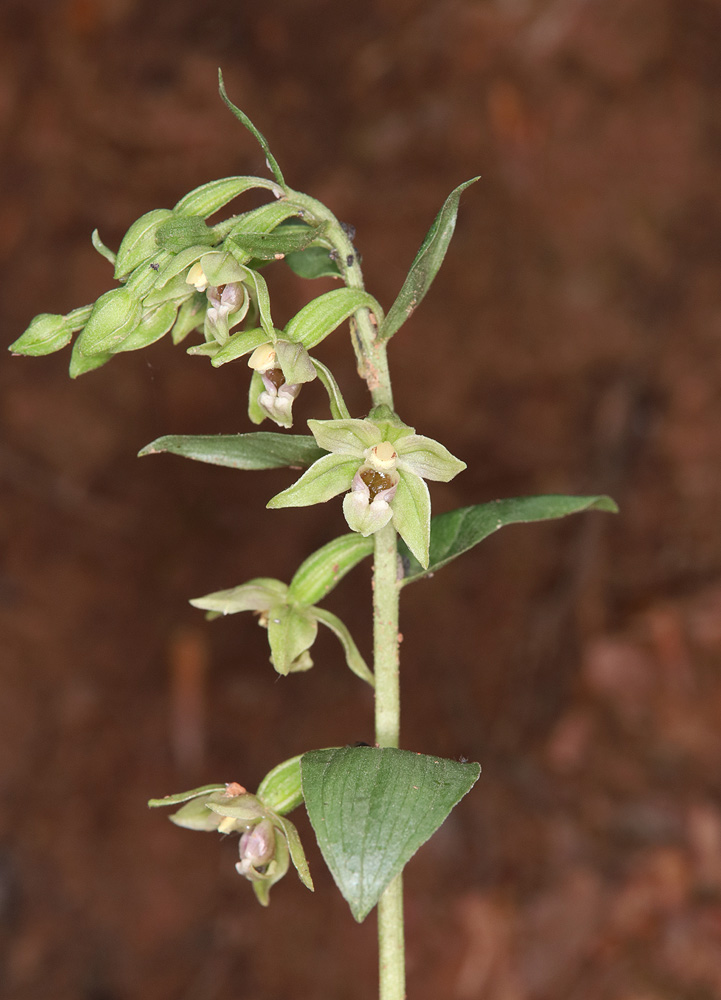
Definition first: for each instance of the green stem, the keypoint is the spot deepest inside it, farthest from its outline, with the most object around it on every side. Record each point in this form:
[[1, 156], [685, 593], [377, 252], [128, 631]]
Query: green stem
[[373, 367]]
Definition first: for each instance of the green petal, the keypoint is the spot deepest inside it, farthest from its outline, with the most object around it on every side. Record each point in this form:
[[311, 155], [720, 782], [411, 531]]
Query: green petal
[[427, 458], [347, 437], [259, 594]]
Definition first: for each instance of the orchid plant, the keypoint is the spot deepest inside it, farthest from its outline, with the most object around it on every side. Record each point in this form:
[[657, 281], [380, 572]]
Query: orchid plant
[[370, 807]]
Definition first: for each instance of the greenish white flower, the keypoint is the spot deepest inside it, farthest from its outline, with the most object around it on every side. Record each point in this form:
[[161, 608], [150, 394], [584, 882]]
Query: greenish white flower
[[383, 465]]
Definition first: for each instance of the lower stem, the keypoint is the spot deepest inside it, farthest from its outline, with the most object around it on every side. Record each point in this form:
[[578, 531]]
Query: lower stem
[[391, 950]]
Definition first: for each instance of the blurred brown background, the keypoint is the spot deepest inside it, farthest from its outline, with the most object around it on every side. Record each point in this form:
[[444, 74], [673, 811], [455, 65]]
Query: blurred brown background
[[570, 344]]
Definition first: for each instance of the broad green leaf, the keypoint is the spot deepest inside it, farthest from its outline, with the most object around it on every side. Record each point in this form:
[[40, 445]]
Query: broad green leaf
[[458, 531], [242, 117], [153, 325], [326, 567], [211, 197], [280, 789], [291, 632], [297, 854], [323, 314], [412, 514], [173, 800], [238, 345], [281, 241], [326, 478], [372, 808], [101, 248], [259, 450], [426, 264], [138, 244], [255, 595], [338, 408], [353, 658], [315, 262]]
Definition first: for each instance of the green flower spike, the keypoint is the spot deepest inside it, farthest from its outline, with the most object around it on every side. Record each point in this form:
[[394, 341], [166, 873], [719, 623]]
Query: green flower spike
[[383, 465], [268, 841]]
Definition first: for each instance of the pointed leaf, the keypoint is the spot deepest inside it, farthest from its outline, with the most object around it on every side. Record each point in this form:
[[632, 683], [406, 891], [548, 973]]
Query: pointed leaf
[[297, 854], [326, 478], [255, 595], [352, 654], [211, 197], [338, 408], [426, 264], [412, 514], [326, 567], [242, 117], [323, 314], [280, 790], [260, 450], [315, 262], [372, 808], [458, 531]]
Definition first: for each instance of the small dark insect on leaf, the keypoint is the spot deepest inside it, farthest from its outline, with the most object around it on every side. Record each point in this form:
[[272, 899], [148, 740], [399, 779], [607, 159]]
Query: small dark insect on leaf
[[349, 260], [155, 267], [359, 743], [463, 760]]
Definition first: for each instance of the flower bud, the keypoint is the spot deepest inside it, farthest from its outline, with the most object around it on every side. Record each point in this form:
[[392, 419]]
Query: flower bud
[[257, 848]]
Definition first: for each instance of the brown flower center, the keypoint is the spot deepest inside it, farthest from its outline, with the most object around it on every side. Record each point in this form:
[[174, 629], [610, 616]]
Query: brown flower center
[[376, 481]]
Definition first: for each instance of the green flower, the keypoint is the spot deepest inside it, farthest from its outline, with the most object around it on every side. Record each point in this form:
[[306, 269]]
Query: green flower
[[382, 464]]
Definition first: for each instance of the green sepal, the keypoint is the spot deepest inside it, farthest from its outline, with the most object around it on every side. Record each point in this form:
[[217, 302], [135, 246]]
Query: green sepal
[[256, 413], [208, 349], [297, 854], [153, 325], [195, 815], [427, 458], [211, 197], [138, 244], [291, 632], [258, 450], [258, 594], [244, 808], [426, 264], [280, 790], [322, 571], [260, 138], [326, 478], [180, 232], [338, 408], [114, 316], [178, 797], [190, 317], [295, 362], [220, 267], [256, 282], [456, 532], [315, 262], [347, 437], [411, 508], [371, 809], [104, 251], [323, 314], [239, 344], [279, 242], [275, 871], [179, 264], [353, 658]]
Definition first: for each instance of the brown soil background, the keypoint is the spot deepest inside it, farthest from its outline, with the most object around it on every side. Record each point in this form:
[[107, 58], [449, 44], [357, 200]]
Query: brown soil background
[[571, 343]]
